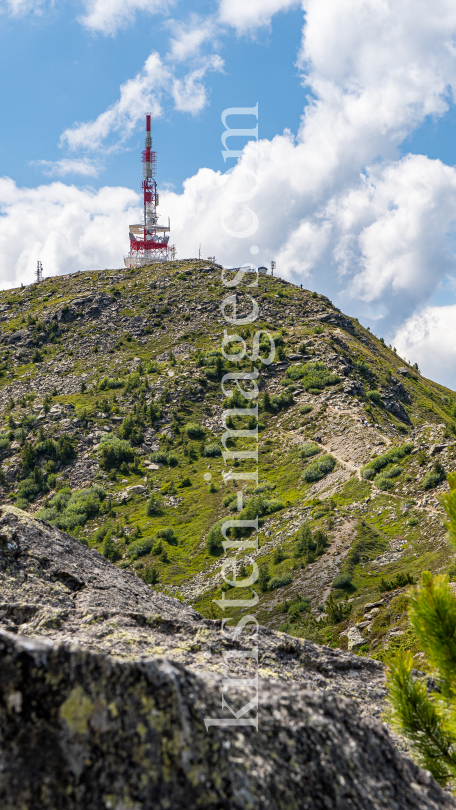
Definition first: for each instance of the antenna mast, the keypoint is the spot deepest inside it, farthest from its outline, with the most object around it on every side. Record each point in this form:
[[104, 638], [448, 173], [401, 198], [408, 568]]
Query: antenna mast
[[39, 272], [149, 241]]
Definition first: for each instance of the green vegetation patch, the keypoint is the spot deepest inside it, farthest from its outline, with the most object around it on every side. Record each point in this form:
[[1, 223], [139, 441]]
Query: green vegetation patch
[[318, 469], [312, 375], [309, 449], [114, 451], [67, 509], [393, 455]]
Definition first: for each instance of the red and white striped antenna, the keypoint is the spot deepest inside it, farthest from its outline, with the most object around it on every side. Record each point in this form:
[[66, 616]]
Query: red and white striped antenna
[[149, 241]]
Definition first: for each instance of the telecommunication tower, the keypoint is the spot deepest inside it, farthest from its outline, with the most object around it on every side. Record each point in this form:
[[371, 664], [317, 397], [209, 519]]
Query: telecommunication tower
[[149, 242], [39, 272]]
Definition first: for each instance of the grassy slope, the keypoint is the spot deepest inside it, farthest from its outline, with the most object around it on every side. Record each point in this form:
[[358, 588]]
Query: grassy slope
[[98, 343]]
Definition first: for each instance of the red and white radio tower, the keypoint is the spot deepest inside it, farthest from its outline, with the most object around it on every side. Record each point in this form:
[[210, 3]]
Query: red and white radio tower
[[149, 242]]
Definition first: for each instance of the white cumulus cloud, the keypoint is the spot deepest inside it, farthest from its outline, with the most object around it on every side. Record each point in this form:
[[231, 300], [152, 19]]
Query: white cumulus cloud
[[246, 15], [59, 168], [108, 16], [188, 38], [143, 93], [69, 229], [137, 95], [428, 338]]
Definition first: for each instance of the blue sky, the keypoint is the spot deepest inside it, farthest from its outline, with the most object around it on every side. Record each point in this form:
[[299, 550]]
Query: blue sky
[[355, 163], [63, 74]]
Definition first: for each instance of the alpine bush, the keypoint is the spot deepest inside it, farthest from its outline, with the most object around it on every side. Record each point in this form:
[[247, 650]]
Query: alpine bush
[[168, 534], [194, 431], [114, 451], [141, 547], [212, 450], [392, 455], [279, 582], [309, 449], [68, 509], [434, 477], [318, 469]]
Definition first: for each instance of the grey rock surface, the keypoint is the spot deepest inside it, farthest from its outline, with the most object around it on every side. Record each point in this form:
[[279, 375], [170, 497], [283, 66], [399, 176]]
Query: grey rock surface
[[105, 685]]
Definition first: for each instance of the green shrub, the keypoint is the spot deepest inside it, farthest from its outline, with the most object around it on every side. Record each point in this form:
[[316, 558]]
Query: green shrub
[[131, 430], [154, 505], [114, 451], [279, 582], [392, 455], [297, 606], [336, 611], [263, 577], [399, 581], [194, 431], [133, 381], [109, 549], [140, 548], [277, 403], [67, 509], [37, 357], [159, 457], [214, 540], [108, 383], [374, 396], [310, 545], [212, 450], [318, 469], [4, 442], [434, 477], [168, 534], [343, 581], [305, 409], [309, 449], [315, 376], [384, 480], [150, 576], [27, 490], [279, 555]]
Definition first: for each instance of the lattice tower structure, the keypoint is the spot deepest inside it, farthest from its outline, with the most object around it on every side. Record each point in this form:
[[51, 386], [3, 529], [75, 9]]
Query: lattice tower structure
[[149, 242]]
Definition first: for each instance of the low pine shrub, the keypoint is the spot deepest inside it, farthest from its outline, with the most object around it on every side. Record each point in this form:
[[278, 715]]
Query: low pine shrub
[[394, 454], [279, 582], [212, 450], [114, 451], [67, 509], [168, 534], [343, 582], [140, 548], [399, 581], [318, 469], [194, 431], [434, 477], [154, 505], [309, 449], [374, 396]]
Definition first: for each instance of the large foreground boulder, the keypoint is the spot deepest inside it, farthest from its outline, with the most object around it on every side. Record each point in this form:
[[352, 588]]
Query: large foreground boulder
[[82, 731], [105, 685]]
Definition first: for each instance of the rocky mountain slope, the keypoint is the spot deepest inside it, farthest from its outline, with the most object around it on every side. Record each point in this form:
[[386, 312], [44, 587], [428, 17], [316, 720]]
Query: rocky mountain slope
[[82, 729], [111, 430]]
